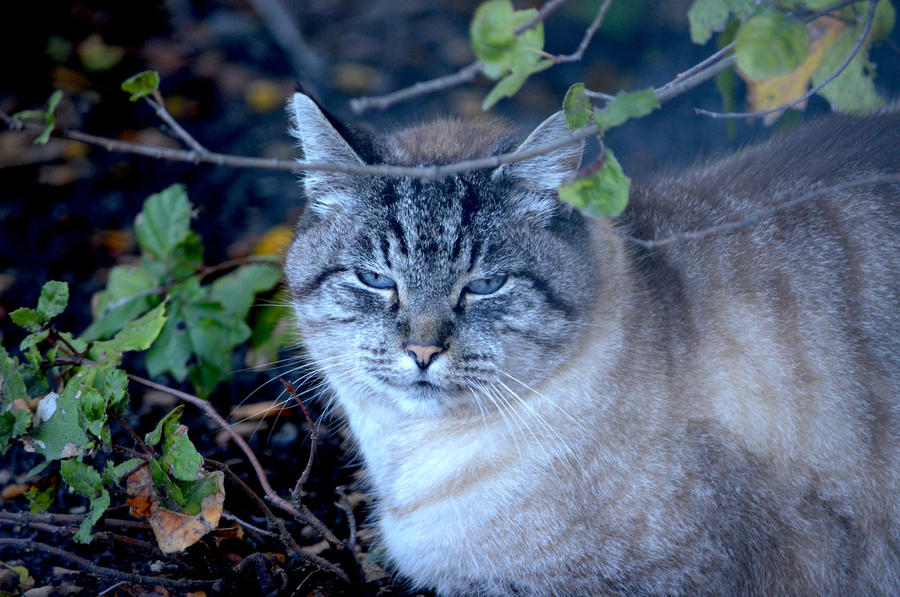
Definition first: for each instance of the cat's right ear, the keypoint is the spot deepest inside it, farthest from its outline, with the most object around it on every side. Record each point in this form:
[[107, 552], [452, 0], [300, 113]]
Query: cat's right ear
[[321, 142]]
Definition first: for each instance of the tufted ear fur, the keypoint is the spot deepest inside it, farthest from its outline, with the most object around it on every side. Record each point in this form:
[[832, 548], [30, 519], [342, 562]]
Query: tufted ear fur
[[320, 141], [545, 172], [536, 180]]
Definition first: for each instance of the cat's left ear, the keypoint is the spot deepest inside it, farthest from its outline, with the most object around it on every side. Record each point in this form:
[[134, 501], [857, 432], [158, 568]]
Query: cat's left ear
[[545, 172], [321, 141]]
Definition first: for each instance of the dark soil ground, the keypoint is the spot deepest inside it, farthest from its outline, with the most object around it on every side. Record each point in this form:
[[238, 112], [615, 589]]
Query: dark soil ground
[[66, 211]]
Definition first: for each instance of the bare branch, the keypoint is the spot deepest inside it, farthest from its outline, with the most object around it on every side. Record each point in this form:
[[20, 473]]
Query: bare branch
[[345, 505], [314, 438], [220, 159], [287, 35], [870, 18], [159, 106], [546, 10], [761, 215], [464, 75], [673, 89], [588, 35], [380, 102], [668, 88], [29, 545]]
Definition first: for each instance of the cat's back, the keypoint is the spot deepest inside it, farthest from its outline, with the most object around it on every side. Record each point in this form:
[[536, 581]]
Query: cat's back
[[806, 224], [784, 295]]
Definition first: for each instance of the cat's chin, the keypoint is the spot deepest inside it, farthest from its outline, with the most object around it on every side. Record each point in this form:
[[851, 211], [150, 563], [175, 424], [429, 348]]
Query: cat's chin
[[424, 399]]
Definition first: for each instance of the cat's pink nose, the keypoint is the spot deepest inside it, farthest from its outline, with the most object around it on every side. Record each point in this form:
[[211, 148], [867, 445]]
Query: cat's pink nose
[[422, 354]]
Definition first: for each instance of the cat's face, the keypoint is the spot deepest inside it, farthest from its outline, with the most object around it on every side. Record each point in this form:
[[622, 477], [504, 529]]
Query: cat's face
[[454, 294]]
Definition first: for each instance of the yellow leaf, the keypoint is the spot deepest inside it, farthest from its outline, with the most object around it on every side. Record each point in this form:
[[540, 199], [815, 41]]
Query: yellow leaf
[[275, 241], [770, 93]]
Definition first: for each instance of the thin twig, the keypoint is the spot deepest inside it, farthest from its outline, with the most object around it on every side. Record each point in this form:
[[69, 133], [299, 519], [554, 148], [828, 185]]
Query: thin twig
[[284, 30], [673, 89], [345, 505], [714, 57], [761, 215], [314, 438], [380, 102], [250, 527], [588, 35], [870, 18], [464, 75], [159, 106], [420, 172], [546, 10], [303, 513], [87, 565], [277, 523]]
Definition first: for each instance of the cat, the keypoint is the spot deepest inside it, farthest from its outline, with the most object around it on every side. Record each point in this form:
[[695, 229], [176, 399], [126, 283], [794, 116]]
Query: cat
[[545, 408]]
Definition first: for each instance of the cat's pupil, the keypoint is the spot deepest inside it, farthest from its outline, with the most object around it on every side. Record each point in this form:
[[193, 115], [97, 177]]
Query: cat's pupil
[[486, 285], [375, 280]]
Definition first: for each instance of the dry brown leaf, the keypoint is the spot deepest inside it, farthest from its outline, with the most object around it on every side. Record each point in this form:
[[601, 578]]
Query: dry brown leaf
[[770, 93], [176, 532], [11, 492], [142, 498], [257, 410]]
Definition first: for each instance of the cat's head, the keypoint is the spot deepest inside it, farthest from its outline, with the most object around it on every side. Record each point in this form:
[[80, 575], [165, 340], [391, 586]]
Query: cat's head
[[434, 295]]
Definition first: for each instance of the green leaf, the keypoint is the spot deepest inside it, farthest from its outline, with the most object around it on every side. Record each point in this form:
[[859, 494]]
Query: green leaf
[[187, 257], [53, 300], [181, 457], [172, 349], [505, 87], [30, 115], [82, 478], [884, 21], [115, 473], [141, 84], [603, 193], [168, 489], [853, 91], [166, 425], [492, 30], [706, 17], [164, 221], [626, 105], [271, 332], [13, 424], [99, 505], [577, 106], [41, 500], [128, 295], [85, 480], [195, 491], [136, 335], [12, 387], [60, 429], [45, 134], [237, 290], [54, 100], [771, 45], [27, 318]]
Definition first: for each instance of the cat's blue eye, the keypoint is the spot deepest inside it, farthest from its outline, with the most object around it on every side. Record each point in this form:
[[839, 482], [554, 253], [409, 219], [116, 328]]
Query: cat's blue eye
[[374, 280], [486, 285]]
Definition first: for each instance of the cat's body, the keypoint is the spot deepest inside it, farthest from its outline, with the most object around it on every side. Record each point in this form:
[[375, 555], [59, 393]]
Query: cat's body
[[716, 416]]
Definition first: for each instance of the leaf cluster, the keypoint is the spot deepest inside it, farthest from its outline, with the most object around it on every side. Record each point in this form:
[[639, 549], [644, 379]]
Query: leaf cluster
[[58, 400], [504, 54]]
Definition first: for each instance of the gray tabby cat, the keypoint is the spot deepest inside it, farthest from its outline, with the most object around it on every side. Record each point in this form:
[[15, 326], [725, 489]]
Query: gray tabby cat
[[546, 409]]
